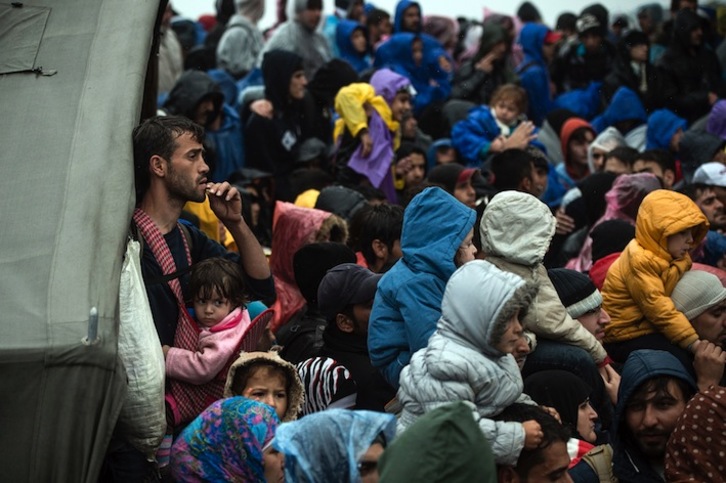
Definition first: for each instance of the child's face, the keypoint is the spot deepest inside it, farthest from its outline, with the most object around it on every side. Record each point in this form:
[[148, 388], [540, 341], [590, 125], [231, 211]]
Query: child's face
[[506, 111], [401, 105], [680, 243], [211, 311], [358, 39], [269, 386], [512, 337]]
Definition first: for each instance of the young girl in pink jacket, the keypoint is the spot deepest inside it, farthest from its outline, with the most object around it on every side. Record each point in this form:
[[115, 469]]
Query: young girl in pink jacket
[[198, 377]]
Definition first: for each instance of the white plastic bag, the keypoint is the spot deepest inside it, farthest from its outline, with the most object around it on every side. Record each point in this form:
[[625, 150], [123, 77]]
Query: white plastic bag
[[142, 420]]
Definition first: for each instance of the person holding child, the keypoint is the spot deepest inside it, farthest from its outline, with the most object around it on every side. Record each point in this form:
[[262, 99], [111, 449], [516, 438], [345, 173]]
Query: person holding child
[[469, 357], [638, 286], [491, 129]]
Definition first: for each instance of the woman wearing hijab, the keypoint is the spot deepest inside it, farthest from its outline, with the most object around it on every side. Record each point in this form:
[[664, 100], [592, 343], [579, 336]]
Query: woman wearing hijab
[[225, 443], [570, 396]]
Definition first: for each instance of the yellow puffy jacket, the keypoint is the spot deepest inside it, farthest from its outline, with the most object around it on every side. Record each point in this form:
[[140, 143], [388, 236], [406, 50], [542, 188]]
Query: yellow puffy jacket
[[638, 285]]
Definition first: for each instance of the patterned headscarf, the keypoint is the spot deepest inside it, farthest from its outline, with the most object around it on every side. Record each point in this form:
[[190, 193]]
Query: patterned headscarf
[[225, 442], [696, 450]]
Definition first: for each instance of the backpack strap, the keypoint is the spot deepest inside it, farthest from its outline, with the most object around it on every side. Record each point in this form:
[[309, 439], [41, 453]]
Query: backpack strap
[[135, 234], [600, 459]]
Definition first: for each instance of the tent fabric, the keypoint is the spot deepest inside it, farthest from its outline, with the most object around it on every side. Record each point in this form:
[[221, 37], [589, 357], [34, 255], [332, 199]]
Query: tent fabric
[[21, 30], [66, 191]]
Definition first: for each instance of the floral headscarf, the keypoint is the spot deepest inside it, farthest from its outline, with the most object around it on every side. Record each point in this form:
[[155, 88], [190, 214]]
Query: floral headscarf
[[225, 442]]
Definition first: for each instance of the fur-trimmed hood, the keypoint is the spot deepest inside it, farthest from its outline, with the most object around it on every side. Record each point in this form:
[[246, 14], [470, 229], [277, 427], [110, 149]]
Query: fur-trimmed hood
[[475, 318], [295, 394]]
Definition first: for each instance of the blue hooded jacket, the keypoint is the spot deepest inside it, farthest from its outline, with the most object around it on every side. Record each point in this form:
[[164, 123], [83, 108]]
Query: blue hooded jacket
[[396, 54], [624, 106], [662, 125], [533, 72], [398, 19], [629, 464], [343, 33], [473, 135], [408, 301]]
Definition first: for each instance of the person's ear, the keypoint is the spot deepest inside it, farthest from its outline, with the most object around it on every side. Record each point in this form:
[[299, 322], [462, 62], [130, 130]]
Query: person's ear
[[380, 250], [506, 474], [344, 323], [526, 185], [669, 177], [157, 165]]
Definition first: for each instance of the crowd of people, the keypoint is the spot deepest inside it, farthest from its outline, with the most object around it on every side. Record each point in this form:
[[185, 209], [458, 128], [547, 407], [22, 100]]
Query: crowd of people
[[386, 246]]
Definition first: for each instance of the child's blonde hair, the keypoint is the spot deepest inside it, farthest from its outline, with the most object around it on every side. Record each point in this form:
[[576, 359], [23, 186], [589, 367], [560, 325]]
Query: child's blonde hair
[[512, 93]]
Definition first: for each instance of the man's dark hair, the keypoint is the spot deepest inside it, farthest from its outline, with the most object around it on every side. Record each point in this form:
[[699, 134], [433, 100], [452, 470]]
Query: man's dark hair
[[552, 432], [626, 154], [694, 190], [383, 222], [663, 157], [377, 16], [579, 135], [510, 167], [659, 385], [407, 149], [157, 136], [567, 21]]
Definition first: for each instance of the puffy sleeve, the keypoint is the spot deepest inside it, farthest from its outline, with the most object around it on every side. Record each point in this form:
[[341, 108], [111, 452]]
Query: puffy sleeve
[[349, 104], [647, 290]]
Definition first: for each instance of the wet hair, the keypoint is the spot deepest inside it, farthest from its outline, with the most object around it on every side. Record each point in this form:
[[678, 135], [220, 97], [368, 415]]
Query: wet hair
[[242, 375], [157, 136], [376, 16], [408, 149], [383, 222], [659, 385], [218, 274], [694, 190], [662, 157], [579, 135], [625, 154], [567, 21], [512, 93], [510, 167], [552, 432]]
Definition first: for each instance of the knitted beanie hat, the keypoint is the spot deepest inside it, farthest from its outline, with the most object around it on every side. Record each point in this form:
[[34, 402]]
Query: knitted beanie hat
[[576, 291], [696, 292]]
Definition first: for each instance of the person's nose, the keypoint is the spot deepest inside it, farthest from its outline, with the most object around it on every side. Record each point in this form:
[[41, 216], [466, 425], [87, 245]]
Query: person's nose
[[650, 418], [269, 399], [604, 318]]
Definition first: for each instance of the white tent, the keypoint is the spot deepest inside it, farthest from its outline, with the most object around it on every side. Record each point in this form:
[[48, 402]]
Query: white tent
[[66, 195]]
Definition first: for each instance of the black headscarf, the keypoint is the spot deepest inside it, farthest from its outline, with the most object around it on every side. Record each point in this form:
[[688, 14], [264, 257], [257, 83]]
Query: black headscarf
[[278, 67], [561, 390]]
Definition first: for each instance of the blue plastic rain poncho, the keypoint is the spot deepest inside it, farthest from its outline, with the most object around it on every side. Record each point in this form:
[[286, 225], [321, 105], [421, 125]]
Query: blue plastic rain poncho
[[326, 446]]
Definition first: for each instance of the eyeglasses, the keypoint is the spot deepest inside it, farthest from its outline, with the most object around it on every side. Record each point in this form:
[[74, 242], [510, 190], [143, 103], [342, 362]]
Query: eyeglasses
[[367, 467]]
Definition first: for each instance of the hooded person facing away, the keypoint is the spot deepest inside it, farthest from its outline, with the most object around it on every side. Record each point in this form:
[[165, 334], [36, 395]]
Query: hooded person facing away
[[469, 356]]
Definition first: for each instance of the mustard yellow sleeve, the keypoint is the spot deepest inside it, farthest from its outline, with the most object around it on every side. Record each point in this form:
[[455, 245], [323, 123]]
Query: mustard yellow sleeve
[[349, 105], [646, 289]]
